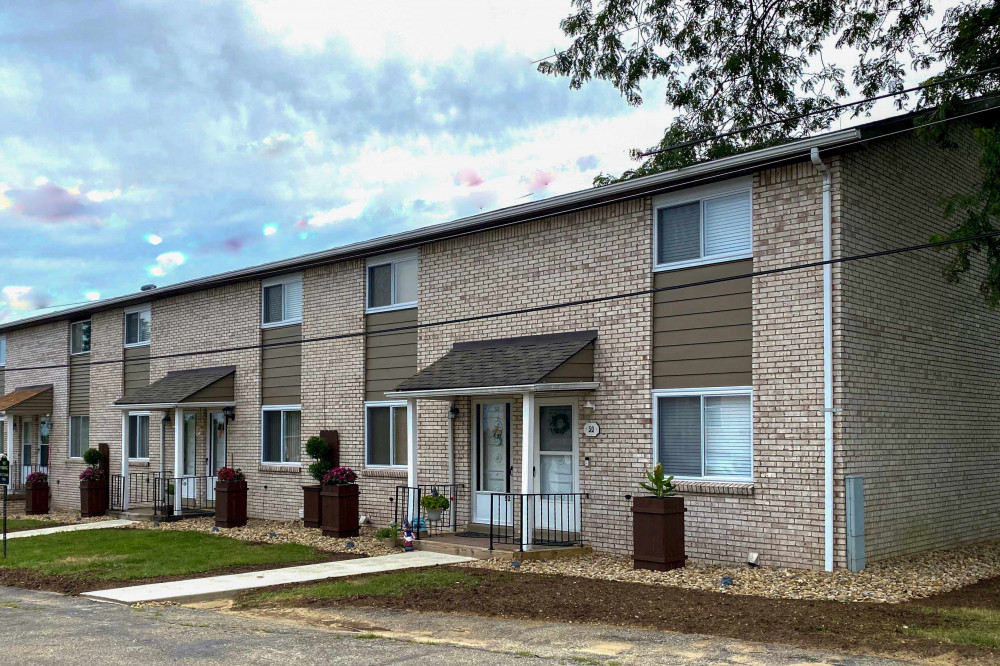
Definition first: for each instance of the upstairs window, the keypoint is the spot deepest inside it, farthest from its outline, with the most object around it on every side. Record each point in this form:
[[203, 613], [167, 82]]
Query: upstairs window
[[392, 282], [3, 350], [703, 229], [79, 337], [137, 326], [282, 300]]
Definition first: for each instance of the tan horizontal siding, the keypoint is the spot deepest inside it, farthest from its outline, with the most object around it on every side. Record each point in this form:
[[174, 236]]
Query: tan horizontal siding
[[389, 357], [219, 391], [281, 366], [578, 368], [79, 384], [702, 335], [136, 371]]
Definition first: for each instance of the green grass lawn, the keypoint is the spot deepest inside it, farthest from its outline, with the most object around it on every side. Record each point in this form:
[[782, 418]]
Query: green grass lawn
[[967, 626], [389, 584], [116, 554], [19, 524]]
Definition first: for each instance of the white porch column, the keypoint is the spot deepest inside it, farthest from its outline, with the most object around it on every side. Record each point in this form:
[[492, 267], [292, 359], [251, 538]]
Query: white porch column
[[413, 508], [124, 460], [9, 436], [527, 468], [178, 457]]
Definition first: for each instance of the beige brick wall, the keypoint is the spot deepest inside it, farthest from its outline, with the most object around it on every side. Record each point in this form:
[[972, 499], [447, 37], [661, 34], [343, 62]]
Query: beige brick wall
[[918, 366]]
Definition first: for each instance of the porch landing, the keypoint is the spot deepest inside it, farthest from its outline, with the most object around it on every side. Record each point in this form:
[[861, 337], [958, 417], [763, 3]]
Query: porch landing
[[479, 548]]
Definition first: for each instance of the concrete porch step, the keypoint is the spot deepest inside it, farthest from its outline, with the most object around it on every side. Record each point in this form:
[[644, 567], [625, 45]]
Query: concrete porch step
[[478, 548]]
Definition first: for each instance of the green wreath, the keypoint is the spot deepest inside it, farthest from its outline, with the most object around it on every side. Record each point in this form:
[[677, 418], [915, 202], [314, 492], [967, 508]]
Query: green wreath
[[559, 424]]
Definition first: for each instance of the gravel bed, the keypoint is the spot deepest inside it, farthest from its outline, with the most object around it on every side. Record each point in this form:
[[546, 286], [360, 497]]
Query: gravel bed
[[283, 532], [888, 581]]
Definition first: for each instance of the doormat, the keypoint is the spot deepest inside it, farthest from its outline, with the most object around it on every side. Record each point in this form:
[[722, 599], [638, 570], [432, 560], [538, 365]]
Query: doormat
[[475, 535]]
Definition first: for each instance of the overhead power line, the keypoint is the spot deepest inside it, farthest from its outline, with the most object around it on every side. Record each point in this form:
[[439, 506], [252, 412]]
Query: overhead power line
[[830, 109], [578, 302]]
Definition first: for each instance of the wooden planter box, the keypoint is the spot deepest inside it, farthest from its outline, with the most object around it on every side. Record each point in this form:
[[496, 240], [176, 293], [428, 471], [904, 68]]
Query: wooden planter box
[[230, 503], [340, 511], [36, 499], [312, 506], [93, 498], [658, 533]]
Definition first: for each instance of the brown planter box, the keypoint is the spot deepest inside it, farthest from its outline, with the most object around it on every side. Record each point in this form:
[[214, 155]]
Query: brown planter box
[[340, 511], [36, 499], [230, 503], [312, 506], [93, 498], [658, 533]]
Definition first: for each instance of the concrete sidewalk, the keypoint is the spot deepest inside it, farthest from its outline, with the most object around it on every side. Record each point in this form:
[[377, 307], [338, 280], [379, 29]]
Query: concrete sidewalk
[[82, 527], [216, 587]]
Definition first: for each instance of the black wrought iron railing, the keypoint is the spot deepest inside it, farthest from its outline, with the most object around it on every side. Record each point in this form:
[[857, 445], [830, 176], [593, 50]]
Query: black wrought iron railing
[[537, 519], [145, 489], [19, 474], [192, 494], [409, 508]]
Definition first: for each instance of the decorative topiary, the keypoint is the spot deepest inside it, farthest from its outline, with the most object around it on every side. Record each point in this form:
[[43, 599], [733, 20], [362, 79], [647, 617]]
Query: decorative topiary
[[318, 448], [93, 472], [92, 457]]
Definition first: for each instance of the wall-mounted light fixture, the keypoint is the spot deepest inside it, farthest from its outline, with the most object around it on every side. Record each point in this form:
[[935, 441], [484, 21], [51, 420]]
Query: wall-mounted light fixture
[[229, 413], [453, 413], [589, 406]]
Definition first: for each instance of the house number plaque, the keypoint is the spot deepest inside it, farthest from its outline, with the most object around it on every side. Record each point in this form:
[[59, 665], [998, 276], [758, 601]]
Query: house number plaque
[[591, 429]]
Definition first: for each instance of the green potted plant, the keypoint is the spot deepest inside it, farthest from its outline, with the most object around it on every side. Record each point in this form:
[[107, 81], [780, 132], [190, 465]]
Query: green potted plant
[[388, 535], [434, 504], [93, 486], [36, 497], [230, 497], [169, 505], [324, 456], [340, 503], [658, 524]]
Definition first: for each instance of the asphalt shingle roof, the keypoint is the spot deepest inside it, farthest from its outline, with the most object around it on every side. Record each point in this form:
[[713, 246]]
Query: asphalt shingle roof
[[504, 362], [176, 386]]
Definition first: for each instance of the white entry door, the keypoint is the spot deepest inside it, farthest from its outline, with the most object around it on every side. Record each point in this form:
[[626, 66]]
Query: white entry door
[[188, 455], [216, 448], [558, 505], [492, 469], [26, 438]]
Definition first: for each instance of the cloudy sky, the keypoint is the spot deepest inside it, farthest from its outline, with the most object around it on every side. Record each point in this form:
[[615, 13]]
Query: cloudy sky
[[153, 142]]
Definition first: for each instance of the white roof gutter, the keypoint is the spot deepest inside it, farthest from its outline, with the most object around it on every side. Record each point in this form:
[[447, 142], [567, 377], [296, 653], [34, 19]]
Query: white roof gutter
[[449, 393]]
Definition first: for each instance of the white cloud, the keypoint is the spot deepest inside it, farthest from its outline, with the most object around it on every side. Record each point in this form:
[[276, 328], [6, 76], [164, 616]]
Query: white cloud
[[166, 262]]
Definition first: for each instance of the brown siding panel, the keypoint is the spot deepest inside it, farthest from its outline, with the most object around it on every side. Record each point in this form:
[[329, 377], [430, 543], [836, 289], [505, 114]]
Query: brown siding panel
[[136, 374], [79, 384], [702, 335], [220, 391], [389, 357], [281, 366], [578, 368]]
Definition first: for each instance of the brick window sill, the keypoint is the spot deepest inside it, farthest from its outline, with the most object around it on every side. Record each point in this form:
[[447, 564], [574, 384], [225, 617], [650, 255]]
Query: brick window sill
[[714, 488], [279, 469], [376, 473]]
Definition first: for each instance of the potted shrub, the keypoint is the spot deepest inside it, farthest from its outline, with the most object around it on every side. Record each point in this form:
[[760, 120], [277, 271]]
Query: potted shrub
[[312, 505], [93, 486], [340, 503], [168, 508], [230, 497], [658, 525], [434, 504], [388, 535], [36, 498]]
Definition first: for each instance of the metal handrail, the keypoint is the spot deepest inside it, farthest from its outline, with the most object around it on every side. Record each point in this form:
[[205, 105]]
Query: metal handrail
[[549, 519], [408, 508], [194, 495]]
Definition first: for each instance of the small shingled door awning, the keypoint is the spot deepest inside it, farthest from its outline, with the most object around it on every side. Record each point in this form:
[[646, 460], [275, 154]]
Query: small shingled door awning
[[201, 387], [530, 364], [28, 401]]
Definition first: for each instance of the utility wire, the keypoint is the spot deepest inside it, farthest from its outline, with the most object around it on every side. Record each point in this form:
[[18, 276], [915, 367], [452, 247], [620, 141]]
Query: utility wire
[[830, 109], [578, 302]]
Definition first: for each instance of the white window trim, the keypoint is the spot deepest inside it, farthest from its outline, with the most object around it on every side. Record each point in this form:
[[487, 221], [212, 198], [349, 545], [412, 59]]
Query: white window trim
[[392, 433], [147, 308], [71, 325], [703, 392], [271, 282], [147, 414], [391, 259], [69, 436], [713, 191], [278, 408]]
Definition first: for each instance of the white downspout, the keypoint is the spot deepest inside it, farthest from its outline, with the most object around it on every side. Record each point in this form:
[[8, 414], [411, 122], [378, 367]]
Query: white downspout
[[827, 358], [451, 456]]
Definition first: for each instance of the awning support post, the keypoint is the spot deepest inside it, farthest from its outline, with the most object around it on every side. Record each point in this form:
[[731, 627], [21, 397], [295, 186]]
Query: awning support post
[[178, 457], [527, 469], [125, 479], [413, 510]]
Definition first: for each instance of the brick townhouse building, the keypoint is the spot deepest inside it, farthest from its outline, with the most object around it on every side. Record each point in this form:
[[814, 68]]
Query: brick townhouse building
[[788, 405]]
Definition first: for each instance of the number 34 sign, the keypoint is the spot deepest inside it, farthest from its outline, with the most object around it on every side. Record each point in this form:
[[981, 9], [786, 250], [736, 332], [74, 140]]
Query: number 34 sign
[[591, 429]]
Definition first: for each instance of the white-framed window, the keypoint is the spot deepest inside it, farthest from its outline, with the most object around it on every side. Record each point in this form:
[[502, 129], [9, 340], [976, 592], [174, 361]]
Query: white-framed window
[[703, 225], [391, 282], [138, 435], [79, 337], [704, 433], [281, 435], [385, 434], [281, 300], [3, 350], [79, 435], [138, 327]]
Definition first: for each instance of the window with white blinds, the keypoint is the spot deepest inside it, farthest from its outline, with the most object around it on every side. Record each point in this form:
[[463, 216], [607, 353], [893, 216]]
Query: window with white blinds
[[710, 229], [282, 301], [705, 435]]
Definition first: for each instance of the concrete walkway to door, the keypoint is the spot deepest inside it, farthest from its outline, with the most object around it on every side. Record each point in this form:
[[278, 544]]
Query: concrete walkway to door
[[215, 587], [42, 531]]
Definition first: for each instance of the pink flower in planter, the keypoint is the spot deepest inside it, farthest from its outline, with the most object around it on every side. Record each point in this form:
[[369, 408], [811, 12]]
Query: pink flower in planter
[[37, 477], [92, 474], [230, 474], [340, 476]]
